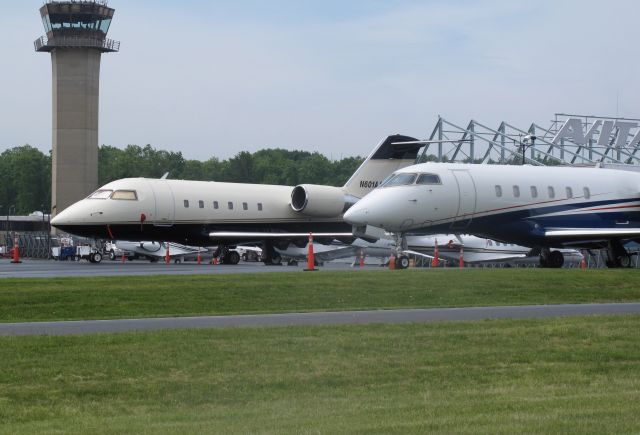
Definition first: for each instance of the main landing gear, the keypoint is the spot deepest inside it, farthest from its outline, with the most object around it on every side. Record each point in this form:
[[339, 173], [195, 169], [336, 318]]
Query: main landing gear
[[617, 256], [227, 256], [270, 256], [551, 259]]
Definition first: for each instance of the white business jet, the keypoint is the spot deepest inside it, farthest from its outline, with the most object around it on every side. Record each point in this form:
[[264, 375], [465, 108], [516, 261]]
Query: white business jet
[[201, 213], [534, 206]]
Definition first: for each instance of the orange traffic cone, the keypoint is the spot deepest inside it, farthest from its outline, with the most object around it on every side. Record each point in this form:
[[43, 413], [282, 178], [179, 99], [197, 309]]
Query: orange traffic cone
[[583, 263], [361, 258], [436, 255], [310, 259], [392, 262], [199, 257], [461, 257], [16, 251], [167, 256], [123, 258]]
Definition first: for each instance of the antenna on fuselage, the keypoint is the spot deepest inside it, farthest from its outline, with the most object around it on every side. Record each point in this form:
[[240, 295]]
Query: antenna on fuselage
[[164, 177]]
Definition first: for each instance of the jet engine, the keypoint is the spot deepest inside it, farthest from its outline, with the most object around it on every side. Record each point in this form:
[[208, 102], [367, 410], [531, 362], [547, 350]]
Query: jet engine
[[319, 201]]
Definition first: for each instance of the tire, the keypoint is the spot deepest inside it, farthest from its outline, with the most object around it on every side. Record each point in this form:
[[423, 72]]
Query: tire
[[112, 255], [177, 261], [244, 257], [91, 258], [276, 259], [97, 257], [624, 261], [556, 260], [402, 262], [233, 257]]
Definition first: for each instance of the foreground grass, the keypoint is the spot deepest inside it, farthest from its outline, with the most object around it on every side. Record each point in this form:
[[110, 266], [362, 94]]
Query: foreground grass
[[152, 296], [569, 375]]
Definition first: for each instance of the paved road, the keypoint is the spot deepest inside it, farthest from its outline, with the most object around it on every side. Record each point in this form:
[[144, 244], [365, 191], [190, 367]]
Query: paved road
[[325, 318], [53, 269]]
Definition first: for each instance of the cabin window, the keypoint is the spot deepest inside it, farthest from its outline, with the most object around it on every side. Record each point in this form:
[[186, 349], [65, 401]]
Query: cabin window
[[428, 179], [259, 206], [516, 191], [498, 190], [245, 206], [201, 204], [216, 205], [230, 205], [534, 192], [186, 203], [569, 193], [587, 193], [101, 194], [400, 180], [552, 192]]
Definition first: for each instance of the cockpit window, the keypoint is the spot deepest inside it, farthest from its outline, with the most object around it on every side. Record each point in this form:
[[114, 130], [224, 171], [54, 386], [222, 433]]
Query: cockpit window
[[101, 194], [399, 180], [127, 195], [428, 179]]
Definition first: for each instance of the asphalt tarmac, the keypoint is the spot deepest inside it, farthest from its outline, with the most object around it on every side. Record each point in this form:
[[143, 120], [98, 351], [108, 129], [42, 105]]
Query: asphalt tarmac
[[59, 269], [323, 318]]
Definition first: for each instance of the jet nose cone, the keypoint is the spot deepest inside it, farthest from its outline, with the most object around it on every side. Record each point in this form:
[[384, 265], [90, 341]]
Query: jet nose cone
[[357, 215], [58, 219]]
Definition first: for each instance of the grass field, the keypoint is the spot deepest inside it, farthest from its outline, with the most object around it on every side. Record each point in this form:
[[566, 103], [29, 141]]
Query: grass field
[[152, 296], [569, 375]]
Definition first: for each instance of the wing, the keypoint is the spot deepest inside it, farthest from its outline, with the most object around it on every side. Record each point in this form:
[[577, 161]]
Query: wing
[[593, 233], [231, 237]]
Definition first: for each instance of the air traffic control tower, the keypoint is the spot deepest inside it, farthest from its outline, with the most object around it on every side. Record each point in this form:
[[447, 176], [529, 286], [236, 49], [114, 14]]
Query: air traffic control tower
[[76, 37]]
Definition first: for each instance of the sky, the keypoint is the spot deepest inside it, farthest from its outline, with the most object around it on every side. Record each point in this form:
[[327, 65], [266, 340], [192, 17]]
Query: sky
[[214, 78]]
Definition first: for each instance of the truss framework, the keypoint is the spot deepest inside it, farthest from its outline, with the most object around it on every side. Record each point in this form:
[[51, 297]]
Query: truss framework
[[507, 144]]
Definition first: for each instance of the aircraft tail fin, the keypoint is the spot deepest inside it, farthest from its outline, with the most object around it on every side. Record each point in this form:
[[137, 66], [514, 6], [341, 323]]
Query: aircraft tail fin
[[389, 156]]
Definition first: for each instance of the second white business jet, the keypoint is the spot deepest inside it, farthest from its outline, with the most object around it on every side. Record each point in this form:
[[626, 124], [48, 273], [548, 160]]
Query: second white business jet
[[203, 213], [538, 207]]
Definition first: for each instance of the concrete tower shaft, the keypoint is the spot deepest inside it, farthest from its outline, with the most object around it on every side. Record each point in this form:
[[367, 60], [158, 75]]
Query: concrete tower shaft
[[76, 38]]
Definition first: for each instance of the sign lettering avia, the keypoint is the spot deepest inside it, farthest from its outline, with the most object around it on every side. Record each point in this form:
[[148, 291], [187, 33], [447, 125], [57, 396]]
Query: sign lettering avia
[[601, 133]]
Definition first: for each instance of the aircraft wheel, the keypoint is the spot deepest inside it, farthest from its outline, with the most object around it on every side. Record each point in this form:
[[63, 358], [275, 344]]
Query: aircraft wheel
[[292, 262], [91, 260], [556, 259], [624, 261], [177, 261], [97, 257], [232, 257], [244, 257], [402, 262], [112, 255], [276, 258]]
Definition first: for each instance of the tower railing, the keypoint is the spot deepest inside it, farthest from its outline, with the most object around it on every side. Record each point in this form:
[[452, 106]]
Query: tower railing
[[104, 44]]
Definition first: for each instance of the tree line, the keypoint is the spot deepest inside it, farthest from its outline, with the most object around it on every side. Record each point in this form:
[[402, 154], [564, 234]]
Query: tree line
[[26, 171]]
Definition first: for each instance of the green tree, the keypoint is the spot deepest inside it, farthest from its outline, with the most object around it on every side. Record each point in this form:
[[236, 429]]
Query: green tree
[[26, 180]]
